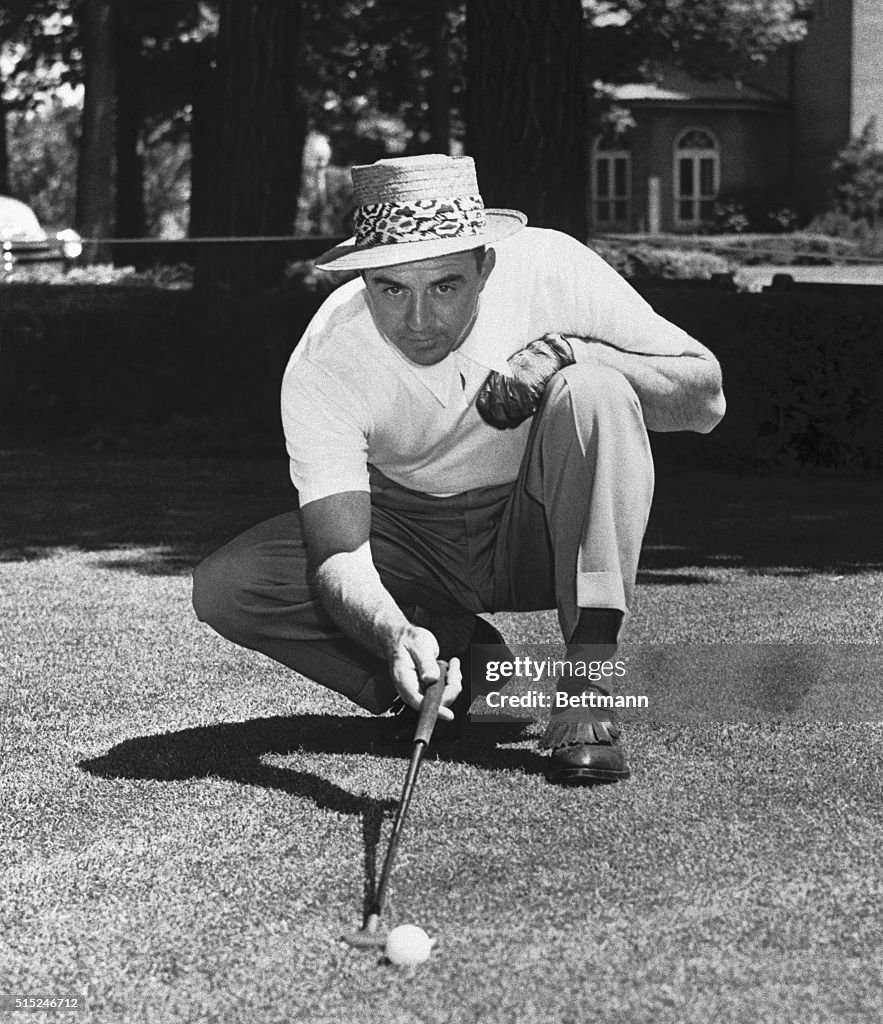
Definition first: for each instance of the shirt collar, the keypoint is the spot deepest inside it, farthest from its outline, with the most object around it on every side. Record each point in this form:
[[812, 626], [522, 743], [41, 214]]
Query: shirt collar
[[482, 346], [485, 343], [442, 379]]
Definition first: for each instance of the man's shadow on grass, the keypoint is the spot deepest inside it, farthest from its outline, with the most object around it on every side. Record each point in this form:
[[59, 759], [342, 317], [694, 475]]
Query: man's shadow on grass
[[160, 515], [235, 751]]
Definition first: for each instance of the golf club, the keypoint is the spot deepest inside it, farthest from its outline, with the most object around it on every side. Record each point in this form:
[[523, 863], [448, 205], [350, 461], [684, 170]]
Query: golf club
[[369, 936]]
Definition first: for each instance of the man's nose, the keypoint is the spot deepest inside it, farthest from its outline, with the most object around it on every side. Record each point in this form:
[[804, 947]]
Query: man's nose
[[417, 317]]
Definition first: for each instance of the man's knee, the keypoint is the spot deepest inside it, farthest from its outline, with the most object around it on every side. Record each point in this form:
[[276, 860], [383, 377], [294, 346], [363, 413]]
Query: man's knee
[[591, 396], [592, 385], [216, 585]]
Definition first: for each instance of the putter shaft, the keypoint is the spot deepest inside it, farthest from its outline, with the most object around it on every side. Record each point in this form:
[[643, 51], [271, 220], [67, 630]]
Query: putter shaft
[[422, 735], [369, 935]]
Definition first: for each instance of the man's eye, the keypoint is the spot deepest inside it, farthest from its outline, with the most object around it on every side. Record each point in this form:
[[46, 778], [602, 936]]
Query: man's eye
[[393, 290], [445, 288]]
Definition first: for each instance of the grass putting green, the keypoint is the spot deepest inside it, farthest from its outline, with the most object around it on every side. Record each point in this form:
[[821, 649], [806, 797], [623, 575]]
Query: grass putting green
[[186, 830]]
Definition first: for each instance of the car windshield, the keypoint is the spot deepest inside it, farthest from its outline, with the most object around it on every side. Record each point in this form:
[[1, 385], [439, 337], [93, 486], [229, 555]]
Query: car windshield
[[18, 222]]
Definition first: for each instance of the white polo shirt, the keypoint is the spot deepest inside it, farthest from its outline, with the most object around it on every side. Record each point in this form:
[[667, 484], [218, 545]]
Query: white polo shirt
[[350, 398]]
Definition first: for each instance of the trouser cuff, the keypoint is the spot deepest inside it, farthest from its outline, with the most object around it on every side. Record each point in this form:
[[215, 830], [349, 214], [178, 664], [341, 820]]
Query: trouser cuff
[[600, 590]]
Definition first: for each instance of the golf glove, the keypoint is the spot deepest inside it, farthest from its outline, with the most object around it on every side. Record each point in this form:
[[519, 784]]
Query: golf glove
[[505, 400]]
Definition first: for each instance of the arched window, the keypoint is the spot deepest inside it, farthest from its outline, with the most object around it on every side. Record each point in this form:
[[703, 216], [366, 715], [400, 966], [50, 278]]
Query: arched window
[[697, 177], [611, 183]]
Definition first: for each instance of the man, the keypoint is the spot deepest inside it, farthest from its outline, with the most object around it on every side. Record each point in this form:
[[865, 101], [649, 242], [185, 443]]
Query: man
[[467, 430]]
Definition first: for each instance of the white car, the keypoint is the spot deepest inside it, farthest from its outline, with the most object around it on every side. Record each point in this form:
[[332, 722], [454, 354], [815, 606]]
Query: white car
[[24, 241]]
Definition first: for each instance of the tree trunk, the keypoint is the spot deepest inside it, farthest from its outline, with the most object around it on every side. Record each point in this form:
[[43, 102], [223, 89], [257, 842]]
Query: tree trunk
[[202, 134], [131, 220], [526, 121], [95, 190], [258, 146], [439, 86], [4, 143]]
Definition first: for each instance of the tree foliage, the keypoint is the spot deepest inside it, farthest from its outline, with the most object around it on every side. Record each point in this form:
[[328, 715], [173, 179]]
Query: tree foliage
[[40, 48], [42, 151], [377, 77], [858, 171], [710, 38], [369, 71]]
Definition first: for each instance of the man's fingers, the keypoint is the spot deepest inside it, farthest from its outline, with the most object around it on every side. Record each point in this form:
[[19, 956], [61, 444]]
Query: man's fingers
[[444, 711], [427, 665], [506, 401], [407, 681], [453, 682], [415, 667], [453, 687]]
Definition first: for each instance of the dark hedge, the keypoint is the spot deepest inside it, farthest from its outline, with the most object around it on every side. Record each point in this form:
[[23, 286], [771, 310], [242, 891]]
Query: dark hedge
[[802, 368], [802, 371]]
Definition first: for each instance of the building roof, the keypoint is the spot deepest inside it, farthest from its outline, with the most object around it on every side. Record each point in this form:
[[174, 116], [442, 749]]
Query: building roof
[[676, 87]]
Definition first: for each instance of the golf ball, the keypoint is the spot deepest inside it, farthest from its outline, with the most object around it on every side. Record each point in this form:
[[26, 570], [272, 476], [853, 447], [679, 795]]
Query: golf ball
[[408, 945]]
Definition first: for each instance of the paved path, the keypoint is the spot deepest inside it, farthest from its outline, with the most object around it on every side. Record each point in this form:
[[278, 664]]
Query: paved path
[[760, 276]]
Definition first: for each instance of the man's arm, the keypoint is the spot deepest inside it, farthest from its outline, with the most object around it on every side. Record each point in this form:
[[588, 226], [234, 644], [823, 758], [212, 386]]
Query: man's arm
[[676, 379], [677, 392], [336, 532]]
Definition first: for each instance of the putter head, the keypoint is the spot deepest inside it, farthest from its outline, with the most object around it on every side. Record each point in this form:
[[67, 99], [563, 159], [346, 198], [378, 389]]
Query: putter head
[[366, 940], [368, 936]]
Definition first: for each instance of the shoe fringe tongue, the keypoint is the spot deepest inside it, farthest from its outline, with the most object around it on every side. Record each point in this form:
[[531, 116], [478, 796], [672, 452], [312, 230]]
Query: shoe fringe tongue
[[563, 731]]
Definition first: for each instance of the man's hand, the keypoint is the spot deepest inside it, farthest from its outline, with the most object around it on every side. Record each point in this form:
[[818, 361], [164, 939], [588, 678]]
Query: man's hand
[[506, 400], [414, 665]]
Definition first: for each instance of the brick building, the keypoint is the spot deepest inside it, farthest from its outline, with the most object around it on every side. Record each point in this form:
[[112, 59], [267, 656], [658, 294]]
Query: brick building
[[767, 142]]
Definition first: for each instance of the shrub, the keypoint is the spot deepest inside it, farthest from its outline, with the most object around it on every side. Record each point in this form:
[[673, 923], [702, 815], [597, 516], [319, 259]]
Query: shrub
[[752, 211], [802, 373], [302, 274], [856, 212], [179, 275], [730, 215], [81, 358], [866, 238], [644, 262], [802, 376], [858, 171], [736, 249]]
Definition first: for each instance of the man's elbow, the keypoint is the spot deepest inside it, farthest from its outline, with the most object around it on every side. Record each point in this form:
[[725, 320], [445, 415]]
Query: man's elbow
[[711, 413]]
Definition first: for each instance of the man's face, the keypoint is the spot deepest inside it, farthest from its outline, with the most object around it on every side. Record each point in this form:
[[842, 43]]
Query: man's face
[[426, 308]]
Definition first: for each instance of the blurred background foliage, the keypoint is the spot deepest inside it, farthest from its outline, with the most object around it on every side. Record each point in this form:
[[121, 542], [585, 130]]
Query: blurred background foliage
[[235, 118], [242, 117]]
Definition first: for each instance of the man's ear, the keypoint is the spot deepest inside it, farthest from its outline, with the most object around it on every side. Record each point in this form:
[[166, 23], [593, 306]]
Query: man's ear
[[490, 261]]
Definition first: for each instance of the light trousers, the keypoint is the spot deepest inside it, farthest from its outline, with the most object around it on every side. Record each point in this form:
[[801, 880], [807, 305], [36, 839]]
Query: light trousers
[[566, 534]]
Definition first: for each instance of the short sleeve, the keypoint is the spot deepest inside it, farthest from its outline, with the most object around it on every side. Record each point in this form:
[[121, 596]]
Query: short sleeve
[[589, 299], [326, 433]]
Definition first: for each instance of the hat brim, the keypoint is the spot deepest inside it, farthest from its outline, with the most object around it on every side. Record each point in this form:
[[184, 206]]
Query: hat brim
[[499, 224]]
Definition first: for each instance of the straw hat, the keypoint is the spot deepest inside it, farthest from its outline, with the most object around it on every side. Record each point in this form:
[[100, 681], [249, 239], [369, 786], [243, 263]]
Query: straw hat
[[416, 207]]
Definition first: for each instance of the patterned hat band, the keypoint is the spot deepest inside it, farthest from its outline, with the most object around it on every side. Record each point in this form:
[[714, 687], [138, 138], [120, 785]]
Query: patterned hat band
[[418, 220]]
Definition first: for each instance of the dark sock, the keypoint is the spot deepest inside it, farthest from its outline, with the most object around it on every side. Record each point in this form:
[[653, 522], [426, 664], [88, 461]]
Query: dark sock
[[597, 626], [594, 639]]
